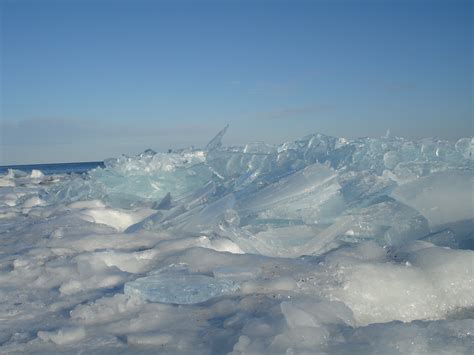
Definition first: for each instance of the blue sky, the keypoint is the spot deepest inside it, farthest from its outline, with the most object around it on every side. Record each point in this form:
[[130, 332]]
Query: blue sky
[[86, 80]]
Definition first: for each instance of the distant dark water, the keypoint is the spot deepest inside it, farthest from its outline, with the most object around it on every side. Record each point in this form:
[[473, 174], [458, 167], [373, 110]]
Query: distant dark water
[[58, 168]]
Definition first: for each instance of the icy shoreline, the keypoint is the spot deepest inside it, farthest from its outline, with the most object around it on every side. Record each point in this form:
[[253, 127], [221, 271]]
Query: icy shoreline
[[322, 245]]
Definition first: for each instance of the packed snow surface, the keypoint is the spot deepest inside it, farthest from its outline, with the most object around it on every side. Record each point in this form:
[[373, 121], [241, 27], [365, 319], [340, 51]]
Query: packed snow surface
[[322, 245]]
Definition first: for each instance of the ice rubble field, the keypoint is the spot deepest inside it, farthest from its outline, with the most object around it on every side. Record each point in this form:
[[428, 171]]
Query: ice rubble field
[[322, 245]]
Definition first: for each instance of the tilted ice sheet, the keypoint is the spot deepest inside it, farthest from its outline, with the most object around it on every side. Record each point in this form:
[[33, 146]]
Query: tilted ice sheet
[[321, 245]]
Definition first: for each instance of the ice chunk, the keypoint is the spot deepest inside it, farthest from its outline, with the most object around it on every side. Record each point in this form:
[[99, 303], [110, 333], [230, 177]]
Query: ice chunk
[[296, 317], [419, 281], [6, 181], [32, 202], [147, 153], [105, 309], [237, 272], [389, 222], [216, 142], [361, 189], [36, 174], [465, 146], [204, 218], [179, 288], [164, 204], [291, 241], [63, 336], [310, 195], [441, 197], [442, 238], [116, 218], [150, 339], [128, 182]]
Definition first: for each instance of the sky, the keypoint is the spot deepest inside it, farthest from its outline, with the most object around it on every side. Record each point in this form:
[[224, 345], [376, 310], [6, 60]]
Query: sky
[[87, 80]]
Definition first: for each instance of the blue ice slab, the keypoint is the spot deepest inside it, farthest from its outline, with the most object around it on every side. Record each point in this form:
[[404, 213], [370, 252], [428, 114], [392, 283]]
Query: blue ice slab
[[179, 288]]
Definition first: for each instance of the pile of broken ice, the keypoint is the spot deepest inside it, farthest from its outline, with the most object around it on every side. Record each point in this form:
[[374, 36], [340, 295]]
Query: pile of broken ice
[[322, 245]]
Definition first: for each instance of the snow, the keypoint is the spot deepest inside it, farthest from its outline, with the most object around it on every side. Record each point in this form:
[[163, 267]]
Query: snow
[[321, 245]]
